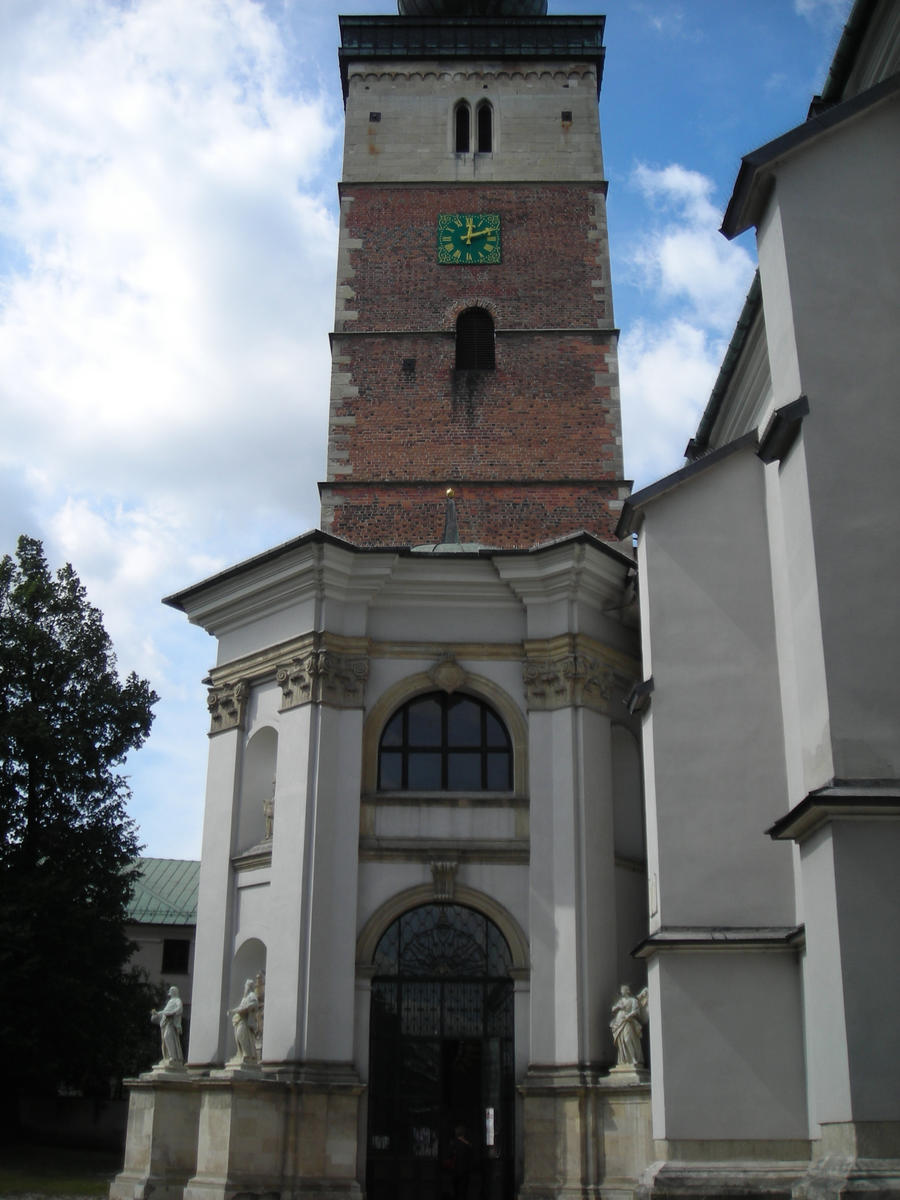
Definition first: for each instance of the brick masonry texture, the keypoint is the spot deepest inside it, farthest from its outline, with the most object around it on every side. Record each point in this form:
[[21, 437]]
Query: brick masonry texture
[[505, 516], [401, 412]]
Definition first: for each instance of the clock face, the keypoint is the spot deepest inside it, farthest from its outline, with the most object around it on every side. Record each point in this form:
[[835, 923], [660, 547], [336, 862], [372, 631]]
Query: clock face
[[469, 238]]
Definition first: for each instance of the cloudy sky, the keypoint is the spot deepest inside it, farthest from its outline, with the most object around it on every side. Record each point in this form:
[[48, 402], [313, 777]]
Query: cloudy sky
[[168, 229]]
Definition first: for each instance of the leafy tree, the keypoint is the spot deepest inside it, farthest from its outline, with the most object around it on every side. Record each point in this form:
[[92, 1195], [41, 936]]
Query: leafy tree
[[68, 845]]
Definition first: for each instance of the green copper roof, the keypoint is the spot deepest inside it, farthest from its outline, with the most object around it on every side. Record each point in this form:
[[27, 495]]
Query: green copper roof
[[165, 892]]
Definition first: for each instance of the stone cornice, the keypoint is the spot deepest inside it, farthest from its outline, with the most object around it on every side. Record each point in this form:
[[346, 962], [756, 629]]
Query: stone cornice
[[574, 670], [709, 938], [838, 802]]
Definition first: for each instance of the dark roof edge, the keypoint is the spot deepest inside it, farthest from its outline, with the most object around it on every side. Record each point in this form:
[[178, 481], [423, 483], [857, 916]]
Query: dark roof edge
[[747, 199], [845, 55], [698, 443], [629, 520]]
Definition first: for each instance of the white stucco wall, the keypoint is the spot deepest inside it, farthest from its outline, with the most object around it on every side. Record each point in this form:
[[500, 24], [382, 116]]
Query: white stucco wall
[[831, 293], [716, 756]]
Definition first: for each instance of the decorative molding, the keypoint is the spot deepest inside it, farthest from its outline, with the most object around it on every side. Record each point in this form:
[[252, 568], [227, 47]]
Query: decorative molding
[[443, 875], [508, 851], [574, 671], [227, 705], [262, 666], [422, 74]]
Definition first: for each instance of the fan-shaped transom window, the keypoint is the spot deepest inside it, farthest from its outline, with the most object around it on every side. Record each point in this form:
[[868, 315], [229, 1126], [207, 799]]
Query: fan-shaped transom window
[[438, 940], [474, 340], [440, 742]]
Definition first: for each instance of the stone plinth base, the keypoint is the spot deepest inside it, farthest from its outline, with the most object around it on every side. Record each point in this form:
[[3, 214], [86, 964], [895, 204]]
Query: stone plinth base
[[280, 1131], [854, 1158], [291, 1133], [585, 1134], [161, 1137], [733, 1169], [861, 1159]]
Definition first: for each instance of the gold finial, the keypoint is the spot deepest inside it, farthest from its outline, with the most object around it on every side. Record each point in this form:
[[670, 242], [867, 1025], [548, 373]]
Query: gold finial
[[449, 493]]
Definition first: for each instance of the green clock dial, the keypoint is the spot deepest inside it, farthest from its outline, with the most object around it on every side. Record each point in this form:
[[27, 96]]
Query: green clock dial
[[468, 238]]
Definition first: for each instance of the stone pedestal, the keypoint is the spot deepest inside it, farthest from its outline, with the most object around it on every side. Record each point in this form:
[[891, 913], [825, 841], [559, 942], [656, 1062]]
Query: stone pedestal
[[161, 1141], [710, 1170], [584, 1134], [854, 1158], [291, 1135]]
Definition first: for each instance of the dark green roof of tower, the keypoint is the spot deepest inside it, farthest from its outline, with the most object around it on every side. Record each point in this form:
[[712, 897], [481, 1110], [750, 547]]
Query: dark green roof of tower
[[472, 8]]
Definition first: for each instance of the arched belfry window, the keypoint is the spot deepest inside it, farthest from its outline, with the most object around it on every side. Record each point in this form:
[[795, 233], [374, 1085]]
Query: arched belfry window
[[440, 742], [484, 128], [474, 340], [462, 128]]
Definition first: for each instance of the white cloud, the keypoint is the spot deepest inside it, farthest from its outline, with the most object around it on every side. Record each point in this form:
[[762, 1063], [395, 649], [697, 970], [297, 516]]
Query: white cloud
[[167, 241], [815, 11], [667, 372], [682, 256]]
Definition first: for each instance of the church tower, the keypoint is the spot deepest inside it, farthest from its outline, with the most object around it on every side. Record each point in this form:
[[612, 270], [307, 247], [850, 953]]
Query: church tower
[[423, 853], [474, 344]]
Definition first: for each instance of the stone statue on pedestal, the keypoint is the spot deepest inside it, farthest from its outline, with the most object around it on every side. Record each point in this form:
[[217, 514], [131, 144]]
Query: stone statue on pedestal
[[629, 1015], [169, 1021], [243, 1018]]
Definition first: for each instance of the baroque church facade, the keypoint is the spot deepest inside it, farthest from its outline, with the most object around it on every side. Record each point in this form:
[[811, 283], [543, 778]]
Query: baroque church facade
[[475, 761]]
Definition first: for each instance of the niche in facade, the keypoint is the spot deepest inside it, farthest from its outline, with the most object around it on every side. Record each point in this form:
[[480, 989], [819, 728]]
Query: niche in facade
[[256, 808]]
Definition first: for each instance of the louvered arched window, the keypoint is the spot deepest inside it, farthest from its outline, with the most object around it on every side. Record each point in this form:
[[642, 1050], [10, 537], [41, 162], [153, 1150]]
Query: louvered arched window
[[474, 340], [462, 127], [484, 128]]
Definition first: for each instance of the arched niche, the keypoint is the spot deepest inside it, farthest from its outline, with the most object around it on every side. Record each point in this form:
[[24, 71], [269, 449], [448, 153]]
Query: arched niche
[[257, 788], [249, 963], [447, 676], [628, 799]]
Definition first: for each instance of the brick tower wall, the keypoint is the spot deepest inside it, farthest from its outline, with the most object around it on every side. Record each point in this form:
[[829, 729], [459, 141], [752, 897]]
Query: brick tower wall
[[532, 447]]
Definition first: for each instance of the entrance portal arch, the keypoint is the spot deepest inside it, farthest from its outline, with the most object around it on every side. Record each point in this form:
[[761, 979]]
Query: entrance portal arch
[[441, 1066]]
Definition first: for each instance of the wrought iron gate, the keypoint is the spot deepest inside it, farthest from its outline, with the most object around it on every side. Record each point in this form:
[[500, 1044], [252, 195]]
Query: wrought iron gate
[[441, 1059]]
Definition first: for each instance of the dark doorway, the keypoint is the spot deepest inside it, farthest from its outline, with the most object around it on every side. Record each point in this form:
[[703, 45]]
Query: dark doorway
[[441, 1073]]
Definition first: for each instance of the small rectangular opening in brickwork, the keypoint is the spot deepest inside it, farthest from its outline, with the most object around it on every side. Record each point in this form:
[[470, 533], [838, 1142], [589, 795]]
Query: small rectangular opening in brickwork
[[567, 116], [374, 117]]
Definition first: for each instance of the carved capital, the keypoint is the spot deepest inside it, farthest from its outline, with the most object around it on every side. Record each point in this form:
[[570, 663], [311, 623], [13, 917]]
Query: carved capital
[[573, 680], [227, 704], [323, 676], [575, 671]]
